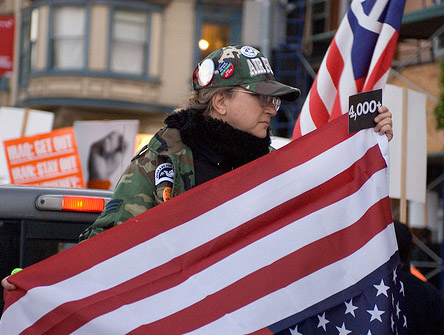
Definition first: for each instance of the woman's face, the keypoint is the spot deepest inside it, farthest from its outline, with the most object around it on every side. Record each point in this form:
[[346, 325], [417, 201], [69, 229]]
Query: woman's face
[[247, 112]]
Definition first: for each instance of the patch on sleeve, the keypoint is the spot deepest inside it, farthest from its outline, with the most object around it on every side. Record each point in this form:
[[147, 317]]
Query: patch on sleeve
[[164, 172], [111, 206]]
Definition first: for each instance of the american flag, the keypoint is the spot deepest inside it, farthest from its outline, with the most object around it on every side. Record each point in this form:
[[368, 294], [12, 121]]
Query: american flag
[[278, 245], [357, 60]]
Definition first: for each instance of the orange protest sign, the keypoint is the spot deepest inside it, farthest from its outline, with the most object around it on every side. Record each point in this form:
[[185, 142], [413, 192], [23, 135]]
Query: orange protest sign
[[49, 159]]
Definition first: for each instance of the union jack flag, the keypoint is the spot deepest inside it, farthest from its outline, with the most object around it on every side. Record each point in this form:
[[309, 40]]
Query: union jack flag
[[278, 245], [357, 60]]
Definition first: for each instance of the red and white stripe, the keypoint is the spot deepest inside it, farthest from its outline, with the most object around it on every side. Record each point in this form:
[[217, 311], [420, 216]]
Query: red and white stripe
[[335, 80], [231, 256]]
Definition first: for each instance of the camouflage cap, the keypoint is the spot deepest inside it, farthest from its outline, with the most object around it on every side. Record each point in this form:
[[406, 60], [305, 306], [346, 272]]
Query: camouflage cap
[[241, 66]]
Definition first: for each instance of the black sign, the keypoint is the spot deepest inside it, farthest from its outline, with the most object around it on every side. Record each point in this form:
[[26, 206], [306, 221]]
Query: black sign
[[362, 110]]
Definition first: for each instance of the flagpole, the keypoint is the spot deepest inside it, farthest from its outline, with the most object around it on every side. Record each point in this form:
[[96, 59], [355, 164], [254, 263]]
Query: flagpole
[[403, 202], [25, 122]]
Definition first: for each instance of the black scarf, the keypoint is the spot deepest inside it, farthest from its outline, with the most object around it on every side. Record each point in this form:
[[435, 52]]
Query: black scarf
[[204, 133]]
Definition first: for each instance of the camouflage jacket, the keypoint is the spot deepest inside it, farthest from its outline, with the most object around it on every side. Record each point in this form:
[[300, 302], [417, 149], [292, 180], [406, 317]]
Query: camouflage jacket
[[148, 180]]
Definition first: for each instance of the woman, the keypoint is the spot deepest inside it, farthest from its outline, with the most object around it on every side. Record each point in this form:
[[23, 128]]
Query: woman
[[224, 125]]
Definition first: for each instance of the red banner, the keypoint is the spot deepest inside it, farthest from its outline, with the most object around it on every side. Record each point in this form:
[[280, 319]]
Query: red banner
[[49, 159], [7, 24]]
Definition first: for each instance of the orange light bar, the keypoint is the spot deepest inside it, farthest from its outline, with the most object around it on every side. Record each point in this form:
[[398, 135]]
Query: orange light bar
[[83, 204]]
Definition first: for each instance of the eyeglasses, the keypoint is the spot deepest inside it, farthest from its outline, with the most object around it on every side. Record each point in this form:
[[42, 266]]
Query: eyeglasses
[[264, 99]]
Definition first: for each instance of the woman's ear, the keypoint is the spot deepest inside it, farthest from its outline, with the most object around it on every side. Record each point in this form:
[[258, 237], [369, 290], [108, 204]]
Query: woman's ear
[[219, 102]]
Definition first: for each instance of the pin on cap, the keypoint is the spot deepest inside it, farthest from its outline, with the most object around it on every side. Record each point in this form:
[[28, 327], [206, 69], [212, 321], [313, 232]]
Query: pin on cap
[[249, 52], [226, 69], [206, 72], [242, 66]]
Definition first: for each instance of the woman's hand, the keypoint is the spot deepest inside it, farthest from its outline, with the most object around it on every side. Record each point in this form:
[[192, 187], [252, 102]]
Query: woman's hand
[[384, 122], [7, 285]]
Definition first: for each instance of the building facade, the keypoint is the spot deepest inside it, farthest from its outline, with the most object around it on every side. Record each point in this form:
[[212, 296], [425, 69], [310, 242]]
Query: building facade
[[88, 60], [109, 59]]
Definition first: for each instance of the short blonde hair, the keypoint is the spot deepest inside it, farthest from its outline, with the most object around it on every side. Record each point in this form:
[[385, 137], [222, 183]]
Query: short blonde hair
[[200, 100]]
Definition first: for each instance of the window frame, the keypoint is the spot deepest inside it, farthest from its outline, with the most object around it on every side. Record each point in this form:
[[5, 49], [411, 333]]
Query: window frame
[[145, 72], [51, 38], [438, 46], [48, 69], [323, 16], [217, 15], [25, 53]]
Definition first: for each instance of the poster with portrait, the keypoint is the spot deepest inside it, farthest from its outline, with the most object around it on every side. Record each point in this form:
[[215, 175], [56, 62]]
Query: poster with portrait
[[105, 150]]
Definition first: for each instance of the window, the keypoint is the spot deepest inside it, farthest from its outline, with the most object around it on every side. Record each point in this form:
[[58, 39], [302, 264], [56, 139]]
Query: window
[[25, 50], [69, 38], [438, 46], [216, 35], [320, 16], [28, 47], [216, 27], [33, 36], [129, 42]]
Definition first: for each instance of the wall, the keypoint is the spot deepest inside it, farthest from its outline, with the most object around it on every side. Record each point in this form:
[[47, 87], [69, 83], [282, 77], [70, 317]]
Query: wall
[[98, 38], [412, 5], [149, 122], [177, 55], [42, 41], [4, 98], [7, 7]]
